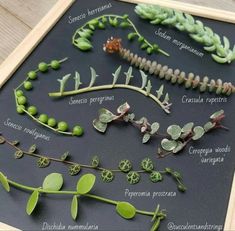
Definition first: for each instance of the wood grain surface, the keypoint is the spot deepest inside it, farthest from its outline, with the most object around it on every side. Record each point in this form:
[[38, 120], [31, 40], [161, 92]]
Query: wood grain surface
[[19, 17]]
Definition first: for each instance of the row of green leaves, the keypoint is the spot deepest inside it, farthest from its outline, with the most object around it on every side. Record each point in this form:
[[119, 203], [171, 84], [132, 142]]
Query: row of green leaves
[[53, 183], [222, 53], [107, 175]]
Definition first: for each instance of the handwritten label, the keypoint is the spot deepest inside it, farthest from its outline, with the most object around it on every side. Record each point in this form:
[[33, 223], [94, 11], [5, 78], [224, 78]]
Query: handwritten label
[[182, 46], [30, 131], [88, 13], [200, 99], [211, 156], [94, 100], [152, 195]]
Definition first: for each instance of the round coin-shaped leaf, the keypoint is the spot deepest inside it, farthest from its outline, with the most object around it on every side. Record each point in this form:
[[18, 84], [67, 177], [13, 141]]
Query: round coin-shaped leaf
[[86, 183], [198, 132], [53, 182], [174, 131], [168, 145], [32, 202]]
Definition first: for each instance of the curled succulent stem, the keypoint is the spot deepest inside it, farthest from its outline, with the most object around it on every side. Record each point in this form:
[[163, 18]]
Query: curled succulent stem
[[190, 80]]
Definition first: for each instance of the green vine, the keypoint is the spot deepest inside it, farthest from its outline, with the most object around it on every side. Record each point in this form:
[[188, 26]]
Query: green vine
[[145, 89], [32, 111], [106, 175], [53, 183], [82, 36], [176, 137], [195, 28], [190, 80]]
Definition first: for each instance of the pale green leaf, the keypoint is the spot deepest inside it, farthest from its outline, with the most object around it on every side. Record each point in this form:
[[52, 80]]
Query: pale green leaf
[[99, 126], [128, 75], [217, 114], [93, 77], [116, 75], [144, 79], [148, 87], [198, 132], [168, 145], [53, 182], [105, 116], [146, 138], [4, 182], [86, 183], [154, 127], [208, 126], [174, 131], [77, 79], [124, 108], [32, 202], [160, 91], [126, 210], [63, 82], [74, 207]]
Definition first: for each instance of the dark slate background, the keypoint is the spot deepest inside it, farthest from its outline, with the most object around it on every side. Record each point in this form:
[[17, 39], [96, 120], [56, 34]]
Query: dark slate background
[[209, 186]]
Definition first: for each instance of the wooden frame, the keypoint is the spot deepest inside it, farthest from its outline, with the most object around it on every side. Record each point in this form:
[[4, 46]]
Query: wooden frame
[[18, 56]]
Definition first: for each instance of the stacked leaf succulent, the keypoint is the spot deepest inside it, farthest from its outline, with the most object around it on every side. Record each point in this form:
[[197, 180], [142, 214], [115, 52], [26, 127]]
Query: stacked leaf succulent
[[53, 183], [212, 42]]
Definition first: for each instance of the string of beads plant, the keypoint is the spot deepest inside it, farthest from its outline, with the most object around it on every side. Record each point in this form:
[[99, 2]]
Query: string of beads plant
[[212, 42], [107, 175], [176, 137], [23, 106], [145, 89], [82, 36], [190, 80], [53, 183]]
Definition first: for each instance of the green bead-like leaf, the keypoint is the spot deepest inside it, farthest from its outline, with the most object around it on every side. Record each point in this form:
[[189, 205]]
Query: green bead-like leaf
[[133, 177], [174, 131], [126, 210], [198, 132], [43, 162], [32, 202], [155, 176], [125, 166], [105, 116], [74, 207], [168, 145], [146, 138], [74, 169], [86, 183], [83, 43], [107, 176], [217, 114], [208, 126], [99, 126], [4, 182], [18, 154], [53, 182], [147, 164]]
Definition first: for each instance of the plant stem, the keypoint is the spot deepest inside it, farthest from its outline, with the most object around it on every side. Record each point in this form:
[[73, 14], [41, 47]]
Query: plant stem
[[107, 87]]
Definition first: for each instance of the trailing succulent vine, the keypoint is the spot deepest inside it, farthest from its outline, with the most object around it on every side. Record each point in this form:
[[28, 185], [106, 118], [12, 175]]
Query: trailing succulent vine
[[212, 42], [82, 36], [23, 106], [53, 183], [189, 80], [107, 175], [176, 137], [145, 89]]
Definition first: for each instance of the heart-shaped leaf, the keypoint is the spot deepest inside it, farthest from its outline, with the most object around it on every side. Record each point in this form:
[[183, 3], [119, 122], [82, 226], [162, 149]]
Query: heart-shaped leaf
[[124, 108], [53, 182], [126, 210], [32, 202], [105, 116], [4, 182], [154, 128], [198, 132], [99, 126], [174, 131], [168, 145], [74, 207], [188, 127], [146, 138], [86, 183], [179, 147], [208, 126]]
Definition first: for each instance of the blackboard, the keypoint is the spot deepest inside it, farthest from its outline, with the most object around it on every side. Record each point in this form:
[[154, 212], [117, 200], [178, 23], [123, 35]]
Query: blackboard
[[205, 203]]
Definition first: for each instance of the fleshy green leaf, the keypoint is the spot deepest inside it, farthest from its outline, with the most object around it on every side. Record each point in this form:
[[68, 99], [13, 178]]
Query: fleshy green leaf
[[133, 177], [124, 108], [95, 161], [217, 114], [32, 202], [93, 77], [19, 154], [63, 82], [77, 80], [74, 169], [188, 127], [148, 88], [154, 128], [53, 182], [146, 138], [144, 79], [105, 116], [155, 176], [116, 75], [83, 43], [168, 145], [174, 131], [128, 75], [198, 132], [74, 207], [179, 147], [4, 182], [99, 126], [126, 210], [43, 162], [64, 156], [86, 183], [160, 91], [107, 176], [33, 148], [208, 126]]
